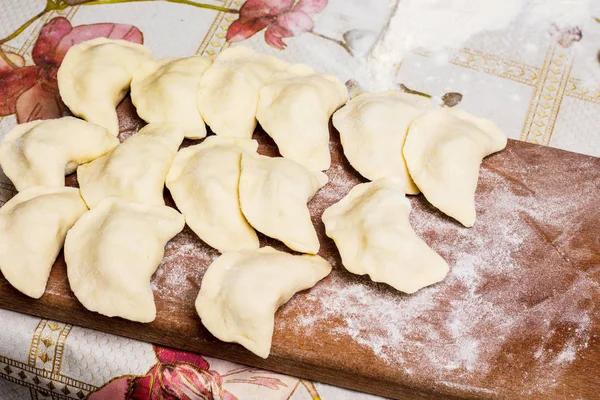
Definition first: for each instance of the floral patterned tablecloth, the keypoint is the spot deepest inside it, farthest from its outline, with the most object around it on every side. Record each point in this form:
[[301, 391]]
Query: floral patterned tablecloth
[[540, 83]]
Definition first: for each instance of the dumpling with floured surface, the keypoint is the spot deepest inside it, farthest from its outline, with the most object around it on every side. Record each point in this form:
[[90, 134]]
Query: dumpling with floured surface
[[242, 290], [228, 91], [136, 169], [204, 184], [294, 109], [41, 153], [373, 129], [113, 251], [371, 230], [443, 152], [167, 90], [33, 227], [95, 75], [273, 196]]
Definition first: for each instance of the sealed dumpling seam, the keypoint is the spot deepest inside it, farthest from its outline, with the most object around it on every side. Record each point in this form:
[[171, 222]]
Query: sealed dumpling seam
[[42, 152], [33, 226], [241, 292], [112, 252], [95, 75], [372, 232]]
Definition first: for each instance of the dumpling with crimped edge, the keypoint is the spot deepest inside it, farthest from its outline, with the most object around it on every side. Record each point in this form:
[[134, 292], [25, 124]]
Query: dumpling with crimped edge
[[112, 252], [228, 91], [241, 291], [294, 109], [443, 151], [273, 197], [204, 184], [373, 129], [136, 169], [33, 226], [95, 75], [42, 152], [167, 90], [372, 232]]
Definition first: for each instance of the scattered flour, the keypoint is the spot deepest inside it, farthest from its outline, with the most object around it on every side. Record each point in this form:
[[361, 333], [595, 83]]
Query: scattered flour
[[178, 277], [438, 25], [503, 306]]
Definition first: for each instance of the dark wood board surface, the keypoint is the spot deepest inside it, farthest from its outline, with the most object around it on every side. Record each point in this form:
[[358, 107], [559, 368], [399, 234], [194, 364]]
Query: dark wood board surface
[[517, 317]]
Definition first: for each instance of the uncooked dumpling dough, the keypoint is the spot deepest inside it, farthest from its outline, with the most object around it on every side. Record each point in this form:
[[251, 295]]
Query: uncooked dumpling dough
[[167, 90], [273, 197], [33, 226], [443, 151], [204, 184], [95, 75], [371, 230], [112, 252], [134, 171], [294, 109], [241, 291], [373, 128], [228, 92], [41, 153]]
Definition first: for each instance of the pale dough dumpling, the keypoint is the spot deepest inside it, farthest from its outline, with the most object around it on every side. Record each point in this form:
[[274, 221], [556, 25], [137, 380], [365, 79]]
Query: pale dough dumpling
[[443, 151], [241, 291], [167, 90], [228, 92], [112, 252], [95, 75], [134, 171], [33, 226], [373, 128], [273, 197], [41, 153], [204, 184], [371, 230], [294, 109]]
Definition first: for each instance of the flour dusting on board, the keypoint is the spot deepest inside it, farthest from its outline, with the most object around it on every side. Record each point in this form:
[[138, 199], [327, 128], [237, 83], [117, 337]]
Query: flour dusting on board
[[184, 263], [467, 327]]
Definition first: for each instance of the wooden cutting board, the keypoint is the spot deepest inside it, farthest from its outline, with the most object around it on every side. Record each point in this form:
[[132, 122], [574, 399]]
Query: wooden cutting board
[[517, 317]]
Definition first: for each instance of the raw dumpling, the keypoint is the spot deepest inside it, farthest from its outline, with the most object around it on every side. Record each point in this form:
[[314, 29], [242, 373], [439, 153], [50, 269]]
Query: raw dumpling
[[33, 226], [228, 92], [136, 170], [41, 153], [95, 75], [241, 291], [370, 228], [112, 252], [167, 90], [273, 197], [204, 184], [373, 128], [294, 109], [443, 151]]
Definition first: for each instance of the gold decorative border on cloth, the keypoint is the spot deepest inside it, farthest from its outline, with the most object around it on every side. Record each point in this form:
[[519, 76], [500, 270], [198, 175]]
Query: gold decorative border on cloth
[[549, 92], [47, 345], [215, 39], [43, 380], [492, 64], [42, 372], [580, 90]]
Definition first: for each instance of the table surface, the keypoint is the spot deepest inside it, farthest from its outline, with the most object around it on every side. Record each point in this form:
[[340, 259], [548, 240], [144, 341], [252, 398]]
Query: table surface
[[538, 84]]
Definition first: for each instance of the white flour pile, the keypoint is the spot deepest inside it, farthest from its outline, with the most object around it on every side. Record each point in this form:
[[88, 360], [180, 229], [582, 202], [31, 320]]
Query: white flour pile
[[434, 25]]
